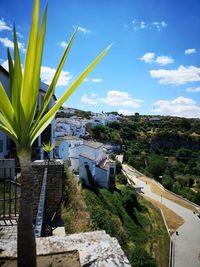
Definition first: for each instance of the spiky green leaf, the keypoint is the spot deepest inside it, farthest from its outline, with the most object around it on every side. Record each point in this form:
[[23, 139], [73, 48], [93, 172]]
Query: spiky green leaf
[[27, 99], [16, 78], [11, 69], [7, 129], [51, 88], [38, 62], [6, 108], [48, 117]]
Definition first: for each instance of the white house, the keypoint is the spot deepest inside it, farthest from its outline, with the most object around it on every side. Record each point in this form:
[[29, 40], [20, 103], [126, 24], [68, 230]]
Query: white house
[[93, 161], [69, 148]]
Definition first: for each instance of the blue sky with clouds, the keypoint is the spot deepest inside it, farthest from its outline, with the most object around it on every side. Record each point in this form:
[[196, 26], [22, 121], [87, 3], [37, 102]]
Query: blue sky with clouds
[[152, 68]]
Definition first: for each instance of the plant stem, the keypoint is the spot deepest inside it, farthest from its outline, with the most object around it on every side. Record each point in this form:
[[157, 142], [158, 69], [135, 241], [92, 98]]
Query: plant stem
[[26, 244]]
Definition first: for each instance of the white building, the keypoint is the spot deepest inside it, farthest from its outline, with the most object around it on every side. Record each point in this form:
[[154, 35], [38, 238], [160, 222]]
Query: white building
[[103, 119], [93, 161], [70, 126], [69, 148], [6, 144], [66, 110], [87, 156]]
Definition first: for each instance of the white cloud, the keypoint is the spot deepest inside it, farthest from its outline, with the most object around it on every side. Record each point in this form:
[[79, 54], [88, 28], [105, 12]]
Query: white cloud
[[47, 75], [125, 112], [63, 44], [113, 98], [89, 100], [164, 60], [94, 80], [190, 51], [181, 107], [5, 64], [97, 80], [83, 30], [120, 98], [181, 75], [134, 23], [4, 26], [161, 60], [8, 43], [148, 57], [19, 34], [143, 25], [158, 25], [193, 90]]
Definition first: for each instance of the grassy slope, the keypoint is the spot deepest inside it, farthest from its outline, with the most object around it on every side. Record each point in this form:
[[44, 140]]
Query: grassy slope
[[136, 224]]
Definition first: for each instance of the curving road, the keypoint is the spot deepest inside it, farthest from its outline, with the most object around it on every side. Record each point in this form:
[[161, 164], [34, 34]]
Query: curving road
[[187, 243]]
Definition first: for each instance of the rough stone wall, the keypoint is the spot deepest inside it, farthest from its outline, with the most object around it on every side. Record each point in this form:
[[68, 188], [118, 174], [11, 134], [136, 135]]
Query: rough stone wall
[[96, 249], [54, 188]]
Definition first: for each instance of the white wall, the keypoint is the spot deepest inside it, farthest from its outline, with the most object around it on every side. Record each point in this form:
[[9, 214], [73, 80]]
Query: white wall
[[98, 154], [82, 170], [5, 82], [63, 151], [102, 177]]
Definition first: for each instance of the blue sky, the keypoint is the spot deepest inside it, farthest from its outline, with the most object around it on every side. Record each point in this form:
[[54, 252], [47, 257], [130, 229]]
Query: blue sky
[[152, 68]]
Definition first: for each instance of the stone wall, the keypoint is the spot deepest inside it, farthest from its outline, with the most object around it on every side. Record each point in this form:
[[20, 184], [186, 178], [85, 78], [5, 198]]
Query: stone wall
[[96, 249], [54, 189]]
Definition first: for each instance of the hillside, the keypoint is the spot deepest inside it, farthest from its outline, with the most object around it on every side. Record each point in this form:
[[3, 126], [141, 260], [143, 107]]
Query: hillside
[[165, 148], [123, 214]]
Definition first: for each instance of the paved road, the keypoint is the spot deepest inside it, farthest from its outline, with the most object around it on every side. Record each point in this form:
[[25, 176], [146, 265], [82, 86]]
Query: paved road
[[187, 243]]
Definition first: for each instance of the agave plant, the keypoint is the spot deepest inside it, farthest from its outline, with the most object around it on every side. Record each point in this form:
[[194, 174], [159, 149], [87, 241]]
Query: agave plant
[[48, 147], [18, 119]]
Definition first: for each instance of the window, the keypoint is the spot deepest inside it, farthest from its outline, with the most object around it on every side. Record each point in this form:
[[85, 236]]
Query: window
[[111, 170]]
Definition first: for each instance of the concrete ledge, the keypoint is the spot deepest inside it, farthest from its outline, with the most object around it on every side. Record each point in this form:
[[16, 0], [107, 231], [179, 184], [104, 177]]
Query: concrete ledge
[[95, 248]]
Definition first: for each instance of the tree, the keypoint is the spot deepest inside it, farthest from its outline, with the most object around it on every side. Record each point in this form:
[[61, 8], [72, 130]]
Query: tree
[[18, 119], [157, 165]]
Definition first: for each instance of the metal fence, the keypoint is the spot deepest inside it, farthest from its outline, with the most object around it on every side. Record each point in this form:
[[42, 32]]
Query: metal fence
[[9, 195]]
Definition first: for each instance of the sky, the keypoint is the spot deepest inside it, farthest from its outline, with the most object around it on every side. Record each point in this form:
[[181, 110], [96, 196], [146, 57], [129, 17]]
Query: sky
[[152, 68]]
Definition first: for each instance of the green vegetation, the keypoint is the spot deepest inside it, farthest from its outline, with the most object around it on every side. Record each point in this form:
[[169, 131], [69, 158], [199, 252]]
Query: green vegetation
[[168, 147], [123, 214], [74, 211], [136, 224], [48, 147]]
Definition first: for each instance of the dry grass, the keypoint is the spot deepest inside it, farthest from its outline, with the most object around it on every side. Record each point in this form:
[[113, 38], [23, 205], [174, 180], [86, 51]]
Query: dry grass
[[156, 189], [74, 212], [158, 243], [173, 220]]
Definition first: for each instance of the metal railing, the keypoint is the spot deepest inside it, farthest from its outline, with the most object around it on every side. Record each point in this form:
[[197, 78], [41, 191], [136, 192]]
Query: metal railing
[[9, 195]]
